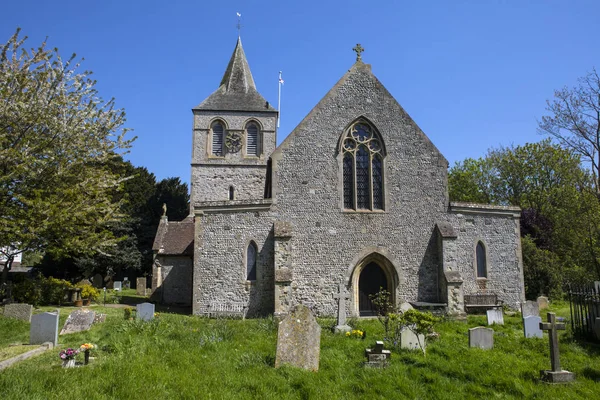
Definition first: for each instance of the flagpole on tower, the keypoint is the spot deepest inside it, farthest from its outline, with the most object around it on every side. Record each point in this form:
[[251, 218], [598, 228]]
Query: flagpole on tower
[[279, 99]]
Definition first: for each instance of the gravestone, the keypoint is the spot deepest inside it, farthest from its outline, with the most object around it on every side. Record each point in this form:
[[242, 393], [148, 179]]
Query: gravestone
[[84, 282], [140, 284], [481, 337], [404, 307], [341, 298], [377, 357], [44, 328], [97, 281], [145, 311], [78, 321], [99, 318], [530, 308], [409, 340], [531, 326], [126, 283], [299, 340], [542, 302], [597, 328], [20, 311], [557, 374], [495, 316], [117, 285]]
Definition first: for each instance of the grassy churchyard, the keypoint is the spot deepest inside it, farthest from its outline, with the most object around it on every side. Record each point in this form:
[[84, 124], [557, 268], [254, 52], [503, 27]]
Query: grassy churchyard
[[179, 356]]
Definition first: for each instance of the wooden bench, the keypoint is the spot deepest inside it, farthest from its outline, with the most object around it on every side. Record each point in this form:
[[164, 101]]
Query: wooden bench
[[481, 302], [231, 310]]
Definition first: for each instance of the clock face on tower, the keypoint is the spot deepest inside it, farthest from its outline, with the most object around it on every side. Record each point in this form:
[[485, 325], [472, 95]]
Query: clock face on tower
[[233, 142]]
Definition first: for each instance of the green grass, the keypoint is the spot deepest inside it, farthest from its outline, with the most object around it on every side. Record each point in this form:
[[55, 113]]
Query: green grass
[[184, 357]]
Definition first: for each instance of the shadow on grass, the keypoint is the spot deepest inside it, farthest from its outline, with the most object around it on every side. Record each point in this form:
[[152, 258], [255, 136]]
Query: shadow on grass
[[592, 374], [131, 300], [161, 308]]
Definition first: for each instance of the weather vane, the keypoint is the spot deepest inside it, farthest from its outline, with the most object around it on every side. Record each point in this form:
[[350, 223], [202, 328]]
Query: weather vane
[[239, 23]]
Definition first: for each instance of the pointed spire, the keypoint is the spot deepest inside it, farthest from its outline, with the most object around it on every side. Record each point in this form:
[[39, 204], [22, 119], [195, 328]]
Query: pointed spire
[[237, 91], [238, 77]]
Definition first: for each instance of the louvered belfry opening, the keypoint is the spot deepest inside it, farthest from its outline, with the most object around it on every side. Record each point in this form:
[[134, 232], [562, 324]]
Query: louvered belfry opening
[[217, 138], [252, 145]]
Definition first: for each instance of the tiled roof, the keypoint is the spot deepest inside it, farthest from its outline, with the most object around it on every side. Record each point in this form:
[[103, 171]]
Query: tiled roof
[[175, 238]]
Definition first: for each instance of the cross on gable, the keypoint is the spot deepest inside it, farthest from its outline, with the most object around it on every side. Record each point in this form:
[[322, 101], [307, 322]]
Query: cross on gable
[[358, 49], [553, 327]]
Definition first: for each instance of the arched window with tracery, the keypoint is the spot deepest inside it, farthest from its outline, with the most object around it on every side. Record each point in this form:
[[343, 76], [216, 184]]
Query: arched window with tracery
[[218, 134], [362, 163], [481, 260], [251, 262], [252, 139]]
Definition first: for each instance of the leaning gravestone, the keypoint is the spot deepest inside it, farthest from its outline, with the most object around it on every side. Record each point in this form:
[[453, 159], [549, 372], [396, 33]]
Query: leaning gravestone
[[409, 340], [495, 316], [404, 307], [140, 284], [299, 340], [78, 321], [530, 308], [44, 328], [531, 326], [19, 311], [117, 285], [481, 337], [542, 302], [145, 311]]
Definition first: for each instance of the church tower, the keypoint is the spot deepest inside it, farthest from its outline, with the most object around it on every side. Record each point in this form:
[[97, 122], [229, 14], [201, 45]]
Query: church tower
[[233, 136]]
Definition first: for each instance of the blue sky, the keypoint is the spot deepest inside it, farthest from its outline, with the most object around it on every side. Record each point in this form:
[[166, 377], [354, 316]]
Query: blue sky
[[473, 74]]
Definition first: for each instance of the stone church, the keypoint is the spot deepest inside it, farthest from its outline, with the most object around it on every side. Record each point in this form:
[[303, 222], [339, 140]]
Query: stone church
[[355, 195]]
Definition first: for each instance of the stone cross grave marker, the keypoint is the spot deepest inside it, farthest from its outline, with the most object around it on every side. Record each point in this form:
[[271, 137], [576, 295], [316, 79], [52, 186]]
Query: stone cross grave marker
[[542, 302], [530, 308], [495, 316], [20, 311], [557, 374], [299, 340], [78, 321], [44, 328], [117, 285], [377, 357], [481, 337], [341, 298], [140, 285], [145, 311], [531, 326]]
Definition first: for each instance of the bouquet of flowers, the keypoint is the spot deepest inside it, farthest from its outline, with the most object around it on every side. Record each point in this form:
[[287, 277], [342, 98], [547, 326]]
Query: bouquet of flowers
[[68, 354], [86, 347]]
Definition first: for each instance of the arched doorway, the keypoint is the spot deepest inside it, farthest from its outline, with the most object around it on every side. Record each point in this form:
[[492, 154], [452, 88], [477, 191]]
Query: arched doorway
[[372, 279]]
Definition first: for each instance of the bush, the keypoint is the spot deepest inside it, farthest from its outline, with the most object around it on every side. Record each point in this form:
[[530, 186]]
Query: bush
[[41, 291], [89, 292]]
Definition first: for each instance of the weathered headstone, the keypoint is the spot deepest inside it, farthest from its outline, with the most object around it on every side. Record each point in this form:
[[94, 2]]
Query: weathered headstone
[[99, 318], [481, 337], [44, 328], [20, 311], [117, 285], [145, 311], [495, 316], [557, 374], [404, 307], [596, 328], [409, 340], [140, 284], [341, 298], [126, 283], [530, 308], [531, 326], [299, 340], [97, 281], [542, 302], [78, 321], [377, 357]]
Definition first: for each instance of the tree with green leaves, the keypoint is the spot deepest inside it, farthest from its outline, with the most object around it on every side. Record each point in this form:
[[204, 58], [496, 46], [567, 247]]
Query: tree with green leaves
[[58, 193]]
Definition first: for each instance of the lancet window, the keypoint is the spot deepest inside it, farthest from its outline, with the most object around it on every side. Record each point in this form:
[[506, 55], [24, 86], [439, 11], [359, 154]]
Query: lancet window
[[218, 135], [252, 139]]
